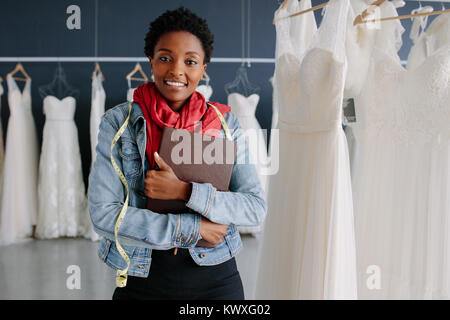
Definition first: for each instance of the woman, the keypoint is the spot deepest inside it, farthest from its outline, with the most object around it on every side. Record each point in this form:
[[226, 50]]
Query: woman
[[178, 45]]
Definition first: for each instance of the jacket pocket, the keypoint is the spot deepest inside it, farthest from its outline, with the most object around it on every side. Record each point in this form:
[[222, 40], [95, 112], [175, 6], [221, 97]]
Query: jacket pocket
[[234, 242], [131, 159]]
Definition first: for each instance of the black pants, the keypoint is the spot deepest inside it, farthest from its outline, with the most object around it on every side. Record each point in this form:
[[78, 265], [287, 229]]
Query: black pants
[[179, 277]]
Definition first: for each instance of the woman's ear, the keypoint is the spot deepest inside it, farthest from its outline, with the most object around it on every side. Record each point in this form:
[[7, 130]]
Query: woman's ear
[[151, 63]]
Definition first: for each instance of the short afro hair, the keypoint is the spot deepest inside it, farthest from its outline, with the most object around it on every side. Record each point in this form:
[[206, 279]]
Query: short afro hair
[[180, 19]]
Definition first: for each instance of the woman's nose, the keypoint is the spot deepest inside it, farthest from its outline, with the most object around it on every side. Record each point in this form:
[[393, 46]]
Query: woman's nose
[[177, 69]]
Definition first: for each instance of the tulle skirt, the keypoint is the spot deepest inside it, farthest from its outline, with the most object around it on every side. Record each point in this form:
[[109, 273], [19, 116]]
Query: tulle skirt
[[402, 208], [308, 245]]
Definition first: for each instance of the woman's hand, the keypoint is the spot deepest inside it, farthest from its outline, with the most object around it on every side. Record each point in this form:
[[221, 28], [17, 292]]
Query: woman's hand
[[164, 184], [211, 231]]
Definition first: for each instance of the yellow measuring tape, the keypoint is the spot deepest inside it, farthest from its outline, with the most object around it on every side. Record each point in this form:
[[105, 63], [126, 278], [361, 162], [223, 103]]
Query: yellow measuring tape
[[224, 123], [121, 275]]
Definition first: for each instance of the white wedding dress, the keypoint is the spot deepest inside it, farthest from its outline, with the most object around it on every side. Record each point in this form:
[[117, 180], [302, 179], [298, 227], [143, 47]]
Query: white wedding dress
[[19, 197], [97, 110], [2, 147], [98, 97], [308, 249], [244, 108], [205, 90], [401, 180], [63, 210]]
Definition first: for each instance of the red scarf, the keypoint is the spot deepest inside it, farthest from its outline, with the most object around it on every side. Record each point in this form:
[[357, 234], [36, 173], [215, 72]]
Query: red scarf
[[158, 115]]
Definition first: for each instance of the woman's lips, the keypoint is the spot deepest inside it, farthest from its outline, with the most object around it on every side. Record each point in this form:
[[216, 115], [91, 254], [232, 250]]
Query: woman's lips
[[175, 84]]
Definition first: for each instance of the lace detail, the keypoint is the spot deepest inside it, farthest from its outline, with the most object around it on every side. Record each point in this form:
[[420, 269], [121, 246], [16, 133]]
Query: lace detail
[[63, 207]]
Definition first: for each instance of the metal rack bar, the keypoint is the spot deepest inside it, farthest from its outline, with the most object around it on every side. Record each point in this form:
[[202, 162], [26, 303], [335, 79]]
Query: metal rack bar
[[122, 59]]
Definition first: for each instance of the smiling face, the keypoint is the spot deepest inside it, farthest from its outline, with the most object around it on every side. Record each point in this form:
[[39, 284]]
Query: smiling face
[[177, 66]]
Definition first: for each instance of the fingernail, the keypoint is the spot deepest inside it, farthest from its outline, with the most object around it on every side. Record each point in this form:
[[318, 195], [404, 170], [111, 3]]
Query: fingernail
[[156, 154]]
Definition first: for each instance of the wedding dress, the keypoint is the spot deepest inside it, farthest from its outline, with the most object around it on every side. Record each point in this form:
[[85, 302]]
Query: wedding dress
[[244, 108], [130, 92], [401, 177], [205, 90], [308, 248], [63, 207], [97, 110], [2, 147], [19, 197]]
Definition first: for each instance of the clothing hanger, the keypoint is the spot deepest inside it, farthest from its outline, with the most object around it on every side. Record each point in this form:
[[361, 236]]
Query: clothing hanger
[[283, 5], [97, 71], [19, 67], [241, 84], [398, 3], [368, 11], [359, 19], [137, 68], [419, 23], [59, 87]]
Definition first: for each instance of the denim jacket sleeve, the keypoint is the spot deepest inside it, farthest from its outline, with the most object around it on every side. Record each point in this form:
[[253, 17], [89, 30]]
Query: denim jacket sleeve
[[140, 227], [244, 204]]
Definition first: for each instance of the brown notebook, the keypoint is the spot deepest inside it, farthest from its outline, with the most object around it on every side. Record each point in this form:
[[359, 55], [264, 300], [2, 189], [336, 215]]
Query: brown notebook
[[194, 158]]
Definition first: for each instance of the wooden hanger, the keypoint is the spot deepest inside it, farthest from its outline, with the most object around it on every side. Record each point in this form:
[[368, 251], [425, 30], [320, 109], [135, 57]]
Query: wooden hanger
[[407, 16], [283, 5], [97, 70], [360, 19], [368, 11], [20, 68], [137, 68]]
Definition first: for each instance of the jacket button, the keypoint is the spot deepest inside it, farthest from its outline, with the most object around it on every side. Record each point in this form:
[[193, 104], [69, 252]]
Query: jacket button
[[202, 255]]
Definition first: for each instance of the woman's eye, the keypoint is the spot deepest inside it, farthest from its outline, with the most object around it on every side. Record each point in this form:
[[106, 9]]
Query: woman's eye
[[192, 62], [164, 59]]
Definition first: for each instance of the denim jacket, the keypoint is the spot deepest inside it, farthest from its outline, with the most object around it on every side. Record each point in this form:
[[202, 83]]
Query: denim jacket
[[143, 230]]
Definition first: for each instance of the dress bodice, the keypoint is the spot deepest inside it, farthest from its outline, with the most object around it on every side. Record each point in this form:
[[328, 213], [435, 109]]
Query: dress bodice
[[405, 105], [60, 110], [310, 81], [17, 100], [243, 106]]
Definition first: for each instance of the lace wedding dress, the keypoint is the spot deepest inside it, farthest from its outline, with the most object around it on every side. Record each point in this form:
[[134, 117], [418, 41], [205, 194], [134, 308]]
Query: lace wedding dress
[[308, 248], [401, 179], [62, 201], [244, 108], [19, 197]]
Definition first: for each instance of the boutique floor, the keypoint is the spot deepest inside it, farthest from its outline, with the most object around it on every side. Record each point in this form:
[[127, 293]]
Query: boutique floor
[[46, 269]]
